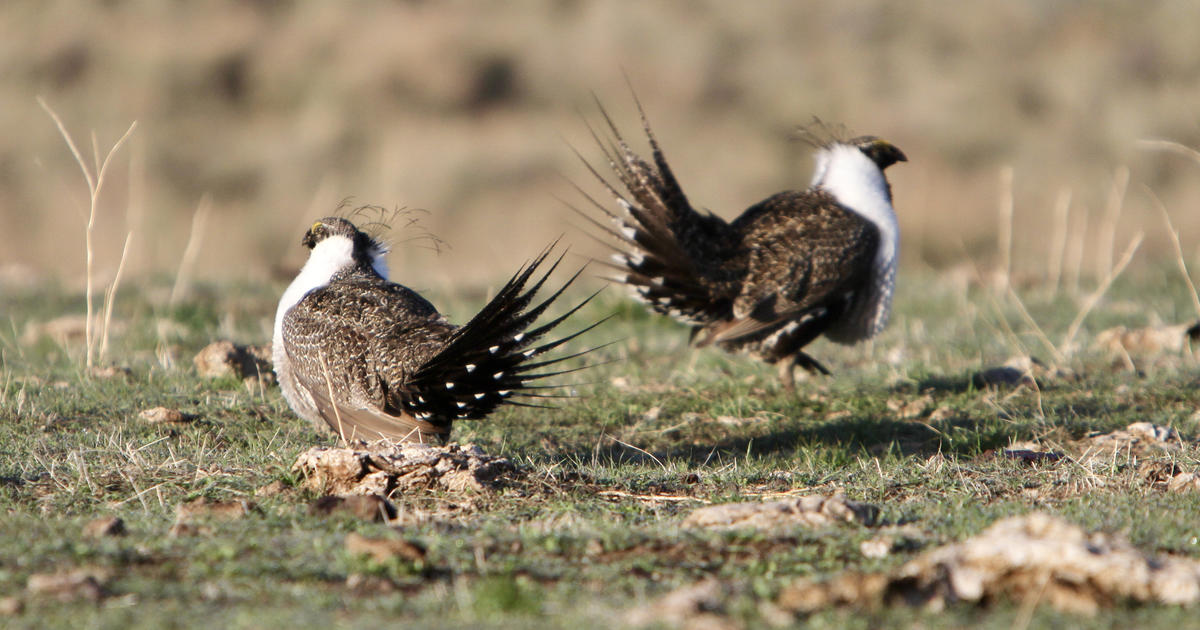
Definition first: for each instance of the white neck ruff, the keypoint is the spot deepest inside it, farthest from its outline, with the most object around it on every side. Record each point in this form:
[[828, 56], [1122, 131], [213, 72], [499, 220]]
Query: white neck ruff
[[326, 259], [858, 184]]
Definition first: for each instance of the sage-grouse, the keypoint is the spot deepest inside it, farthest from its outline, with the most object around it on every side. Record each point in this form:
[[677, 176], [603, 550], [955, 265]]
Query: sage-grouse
[[792, 267], [374, 360]]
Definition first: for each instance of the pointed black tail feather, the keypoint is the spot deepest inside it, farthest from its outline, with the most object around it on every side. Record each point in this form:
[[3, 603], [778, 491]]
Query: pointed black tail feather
[[485, 363], [663, 249]]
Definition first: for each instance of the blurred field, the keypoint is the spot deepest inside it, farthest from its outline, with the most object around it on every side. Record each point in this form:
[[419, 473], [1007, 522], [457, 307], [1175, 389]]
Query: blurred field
[[280, 110]]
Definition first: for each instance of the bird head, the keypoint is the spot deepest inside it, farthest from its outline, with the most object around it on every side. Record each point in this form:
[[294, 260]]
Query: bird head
[[346, 244], [333, 226], [881, 152]]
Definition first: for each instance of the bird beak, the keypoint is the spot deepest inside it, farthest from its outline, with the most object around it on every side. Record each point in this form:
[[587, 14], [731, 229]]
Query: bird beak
[[885, 153], [310, 237], [891, 151]]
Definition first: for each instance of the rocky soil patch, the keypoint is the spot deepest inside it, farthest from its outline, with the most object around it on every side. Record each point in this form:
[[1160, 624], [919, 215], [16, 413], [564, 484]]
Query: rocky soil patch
[[806, 511], [382, 468], [1033, 558], [225, 358]]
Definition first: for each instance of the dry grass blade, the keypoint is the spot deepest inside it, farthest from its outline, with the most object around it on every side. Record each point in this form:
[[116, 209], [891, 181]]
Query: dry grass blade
[[1006, 225], [1059, 358], [1179, 258], [1058, 242], [110, 295], [341, 431], [1094, 298], [640, 450], [1174, 147], [1006, 329], [1108, 227], [1073, 256], [188, 260]]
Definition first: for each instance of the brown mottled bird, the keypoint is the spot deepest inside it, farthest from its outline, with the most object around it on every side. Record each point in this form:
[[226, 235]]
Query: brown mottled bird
[[792, 267], [374, 360]]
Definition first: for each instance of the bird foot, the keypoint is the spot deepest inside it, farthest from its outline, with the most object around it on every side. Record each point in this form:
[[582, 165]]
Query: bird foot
[[787, 367], [810, 364]]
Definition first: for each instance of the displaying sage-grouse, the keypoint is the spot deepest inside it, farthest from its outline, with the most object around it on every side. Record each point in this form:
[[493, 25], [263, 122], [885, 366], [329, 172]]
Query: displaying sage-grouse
[[794, 266], [374, 360]]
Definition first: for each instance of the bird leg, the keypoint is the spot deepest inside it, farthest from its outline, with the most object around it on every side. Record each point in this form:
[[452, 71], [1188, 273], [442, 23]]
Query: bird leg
[[788, 365]]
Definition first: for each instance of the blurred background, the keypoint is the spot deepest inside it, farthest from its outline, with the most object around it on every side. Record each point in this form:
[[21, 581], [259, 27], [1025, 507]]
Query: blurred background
[[264, 115]]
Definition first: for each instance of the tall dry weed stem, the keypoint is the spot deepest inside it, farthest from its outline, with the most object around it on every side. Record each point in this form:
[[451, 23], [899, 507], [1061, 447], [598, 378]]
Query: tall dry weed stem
[[95, 182], [1006, 225], [190, 251]]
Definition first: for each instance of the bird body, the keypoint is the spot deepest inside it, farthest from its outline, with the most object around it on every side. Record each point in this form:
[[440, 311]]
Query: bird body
[[790, 268], [372, 359]]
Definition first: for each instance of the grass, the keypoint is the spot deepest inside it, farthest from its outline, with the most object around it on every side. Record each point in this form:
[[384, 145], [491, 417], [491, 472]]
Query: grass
[[592, 527]]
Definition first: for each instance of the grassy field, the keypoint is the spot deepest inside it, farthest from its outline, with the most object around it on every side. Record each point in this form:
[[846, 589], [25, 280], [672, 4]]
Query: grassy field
[[1043, 138], [589, 527]]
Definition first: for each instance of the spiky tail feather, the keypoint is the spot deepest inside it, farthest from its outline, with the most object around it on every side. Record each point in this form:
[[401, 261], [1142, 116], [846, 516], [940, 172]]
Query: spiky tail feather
[[487, 362], [659, 237]]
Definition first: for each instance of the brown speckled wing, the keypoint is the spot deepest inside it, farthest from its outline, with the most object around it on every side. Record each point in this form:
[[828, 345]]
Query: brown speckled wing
[[803, 252], [361, 338]]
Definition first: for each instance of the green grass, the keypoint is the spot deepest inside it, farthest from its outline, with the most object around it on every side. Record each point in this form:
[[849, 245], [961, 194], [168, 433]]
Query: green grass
[[577, 539]]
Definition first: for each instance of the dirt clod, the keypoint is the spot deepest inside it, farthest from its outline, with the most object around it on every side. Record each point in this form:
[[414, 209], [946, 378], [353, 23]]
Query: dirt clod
[[1184, 482], [225, 358], [1139, 438], [67, 586], [1144, 342], [806, 511], [163, 415], [111, 371], [11, 606], [192, 518], [1036, 557], [1021, 371], [274, 488], [369, 585], [367, 507], [694, 606], [218, 510], [385, 468], [1002, 376], [1031, 456], [384, 549], [878, 547], [104, 527], [911, 409]]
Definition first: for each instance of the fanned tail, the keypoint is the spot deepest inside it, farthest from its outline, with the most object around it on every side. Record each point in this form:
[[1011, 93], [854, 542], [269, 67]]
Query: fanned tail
[[663, 248], [488, 361]]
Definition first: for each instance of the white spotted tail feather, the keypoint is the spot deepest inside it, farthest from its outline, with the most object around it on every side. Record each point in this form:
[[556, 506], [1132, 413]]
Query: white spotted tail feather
[[661, 239], [492, 359]]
